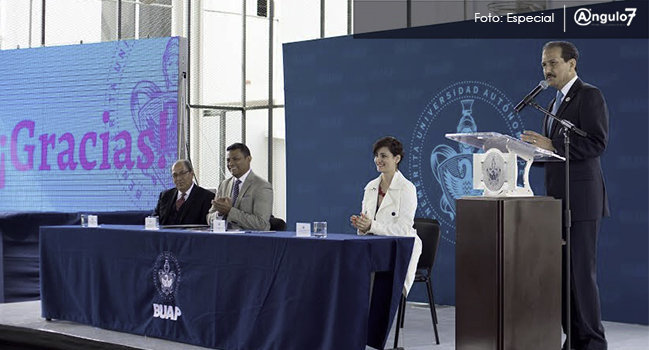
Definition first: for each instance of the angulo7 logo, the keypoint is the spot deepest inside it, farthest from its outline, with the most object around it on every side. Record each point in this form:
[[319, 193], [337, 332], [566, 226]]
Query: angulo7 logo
[[584, 17]]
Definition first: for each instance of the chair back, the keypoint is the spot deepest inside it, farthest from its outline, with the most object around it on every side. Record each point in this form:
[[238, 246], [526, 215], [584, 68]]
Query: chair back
[[277, 224], [428, 232]]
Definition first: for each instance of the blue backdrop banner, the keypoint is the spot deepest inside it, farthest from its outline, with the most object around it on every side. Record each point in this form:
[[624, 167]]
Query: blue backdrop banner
[[344, 93]]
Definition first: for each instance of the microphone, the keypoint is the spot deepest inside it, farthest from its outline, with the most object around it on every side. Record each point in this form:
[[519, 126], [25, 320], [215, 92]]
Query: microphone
[[527, 99]]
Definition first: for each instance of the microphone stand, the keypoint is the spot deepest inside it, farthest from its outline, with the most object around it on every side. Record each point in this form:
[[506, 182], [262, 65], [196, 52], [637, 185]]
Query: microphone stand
[[567, 128]]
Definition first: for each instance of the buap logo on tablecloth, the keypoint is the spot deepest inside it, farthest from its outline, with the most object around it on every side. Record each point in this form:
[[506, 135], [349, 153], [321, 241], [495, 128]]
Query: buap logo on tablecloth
[[442, 169], [166, 278]]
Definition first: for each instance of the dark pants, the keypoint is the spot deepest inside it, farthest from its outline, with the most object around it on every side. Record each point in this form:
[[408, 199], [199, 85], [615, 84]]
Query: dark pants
[[587, 332]]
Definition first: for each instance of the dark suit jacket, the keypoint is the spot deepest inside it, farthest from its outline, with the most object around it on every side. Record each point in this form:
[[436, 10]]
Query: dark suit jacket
[[585, 107], [193, 211]]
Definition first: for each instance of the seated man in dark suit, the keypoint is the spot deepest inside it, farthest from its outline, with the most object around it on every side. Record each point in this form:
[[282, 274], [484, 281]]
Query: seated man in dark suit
[[185, 204]]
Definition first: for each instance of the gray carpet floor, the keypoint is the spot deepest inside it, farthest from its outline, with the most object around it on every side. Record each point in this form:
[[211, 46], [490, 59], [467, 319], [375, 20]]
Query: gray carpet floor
[[417, 334], [418, 331]]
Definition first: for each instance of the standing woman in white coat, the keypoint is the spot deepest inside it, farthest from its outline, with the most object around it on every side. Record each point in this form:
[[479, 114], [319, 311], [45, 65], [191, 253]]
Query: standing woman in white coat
[[390, 202]]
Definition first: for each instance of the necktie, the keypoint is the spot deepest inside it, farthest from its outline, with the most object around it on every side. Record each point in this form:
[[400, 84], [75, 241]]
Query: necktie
[[180, 201], [235, 191], [555, 109]]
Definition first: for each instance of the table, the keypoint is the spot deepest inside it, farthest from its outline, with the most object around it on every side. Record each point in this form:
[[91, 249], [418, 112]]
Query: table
[[226, 291]]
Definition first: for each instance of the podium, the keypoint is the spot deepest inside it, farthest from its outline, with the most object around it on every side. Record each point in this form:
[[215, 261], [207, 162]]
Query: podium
[[508, 273], [508, 252]]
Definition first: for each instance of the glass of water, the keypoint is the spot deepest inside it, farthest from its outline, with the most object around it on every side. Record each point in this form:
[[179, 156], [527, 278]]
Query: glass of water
[[320, 229], [84, 220]]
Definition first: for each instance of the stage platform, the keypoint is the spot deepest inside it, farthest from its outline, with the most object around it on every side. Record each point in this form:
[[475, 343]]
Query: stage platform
[[22, 328]]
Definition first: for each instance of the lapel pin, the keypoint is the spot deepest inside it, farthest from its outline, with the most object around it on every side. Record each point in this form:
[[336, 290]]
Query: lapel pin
[[568, 99]]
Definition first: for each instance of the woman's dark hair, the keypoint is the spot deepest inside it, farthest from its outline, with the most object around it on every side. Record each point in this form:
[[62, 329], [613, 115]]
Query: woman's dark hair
[[394, 145]]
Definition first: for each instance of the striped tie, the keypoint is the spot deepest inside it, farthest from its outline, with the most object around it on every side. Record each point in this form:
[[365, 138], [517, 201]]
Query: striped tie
[[180, 201], [235, 191]]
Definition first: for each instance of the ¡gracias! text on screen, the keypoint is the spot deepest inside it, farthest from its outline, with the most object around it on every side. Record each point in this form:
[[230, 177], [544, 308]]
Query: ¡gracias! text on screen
[[24, 147]]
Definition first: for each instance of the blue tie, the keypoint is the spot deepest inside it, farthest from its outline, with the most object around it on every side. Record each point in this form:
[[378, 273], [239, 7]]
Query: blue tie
[[235, 191], [555, 108]]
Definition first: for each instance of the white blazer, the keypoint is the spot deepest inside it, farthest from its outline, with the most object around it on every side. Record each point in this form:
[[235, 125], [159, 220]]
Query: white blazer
[[395, 216]]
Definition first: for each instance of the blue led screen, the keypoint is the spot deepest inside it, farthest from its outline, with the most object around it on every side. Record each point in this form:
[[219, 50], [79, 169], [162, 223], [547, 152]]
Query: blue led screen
[[89, 127]]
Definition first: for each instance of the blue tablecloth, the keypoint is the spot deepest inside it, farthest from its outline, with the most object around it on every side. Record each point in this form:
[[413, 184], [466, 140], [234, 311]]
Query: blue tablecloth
[[229, 291]]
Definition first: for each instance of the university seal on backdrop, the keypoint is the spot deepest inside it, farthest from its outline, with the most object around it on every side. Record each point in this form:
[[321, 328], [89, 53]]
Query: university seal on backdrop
[[442, 169], [166, 276]]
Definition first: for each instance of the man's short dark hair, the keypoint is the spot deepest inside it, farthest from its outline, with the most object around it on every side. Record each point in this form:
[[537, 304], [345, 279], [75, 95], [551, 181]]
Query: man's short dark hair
[[568, 49], [394, 146], [241, 147], [187, 164]]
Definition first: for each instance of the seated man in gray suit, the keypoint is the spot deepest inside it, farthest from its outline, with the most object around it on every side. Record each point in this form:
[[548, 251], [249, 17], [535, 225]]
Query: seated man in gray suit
[[245, 200]]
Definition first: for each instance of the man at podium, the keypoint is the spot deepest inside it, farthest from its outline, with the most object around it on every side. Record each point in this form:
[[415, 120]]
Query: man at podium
[[583, 105]]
